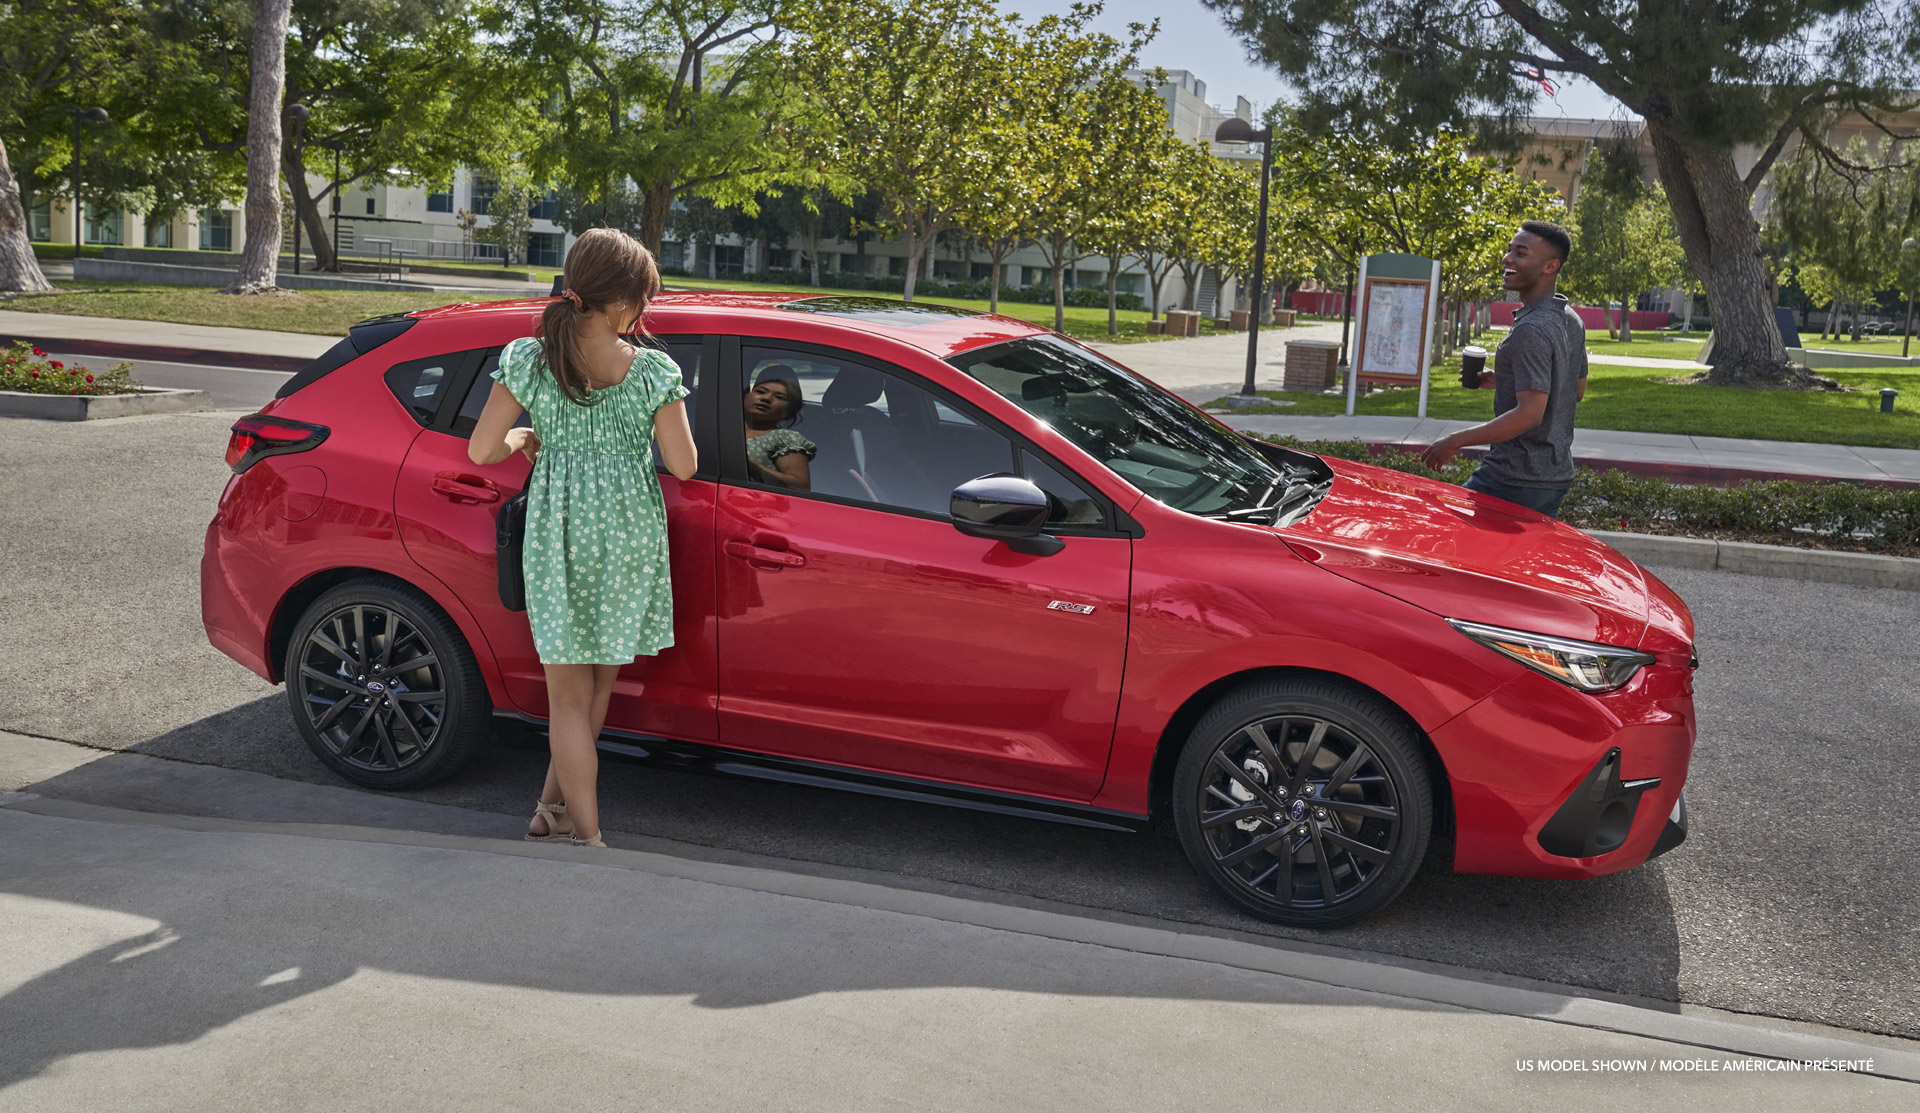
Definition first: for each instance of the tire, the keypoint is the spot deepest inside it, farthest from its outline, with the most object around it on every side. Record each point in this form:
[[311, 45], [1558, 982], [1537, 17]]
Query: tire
[[1307, 802], [384, 689]]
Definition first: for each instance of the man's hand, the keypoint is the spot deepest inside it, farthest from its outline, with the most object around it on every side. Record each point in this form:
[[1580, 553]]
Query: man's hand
[[1440, 452]]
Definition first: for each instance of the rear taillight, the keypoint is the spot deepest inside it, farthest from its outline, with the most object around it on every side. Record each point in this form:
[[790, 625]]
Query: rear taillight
[[255, 437]]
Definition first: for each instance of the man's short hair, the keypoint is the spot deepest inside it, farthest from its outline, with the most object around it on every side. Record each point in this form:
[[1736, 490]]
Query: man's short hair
[[1552, 233]]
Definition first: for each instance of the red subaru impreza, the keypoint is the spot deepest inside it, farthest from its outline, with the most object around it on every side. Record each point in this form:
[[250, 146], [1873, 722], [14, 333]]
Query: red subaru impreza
[[1023, 579]]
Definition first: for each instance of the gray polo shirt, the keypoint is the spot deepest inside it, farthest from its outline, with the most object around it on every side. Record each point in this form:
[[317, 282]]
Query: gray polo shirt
[[1546, 350]]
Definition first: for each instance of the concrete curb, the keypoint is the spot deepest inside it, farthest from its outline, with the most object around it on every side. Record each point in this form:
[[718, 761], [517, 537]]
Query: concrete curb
[[1784, 561], [88, 407]]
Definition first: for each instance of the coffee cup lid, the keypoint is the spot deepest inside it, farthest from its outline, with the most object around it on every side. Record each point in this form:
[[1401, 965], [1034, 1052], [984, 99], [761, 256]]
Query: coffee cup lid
[[1473, 350]]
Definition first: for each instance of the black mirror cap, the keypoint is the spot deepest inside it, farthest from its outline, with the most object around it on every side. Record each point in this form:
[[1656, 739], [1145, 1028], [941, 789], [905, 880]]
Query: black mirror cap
[[1001, 505]]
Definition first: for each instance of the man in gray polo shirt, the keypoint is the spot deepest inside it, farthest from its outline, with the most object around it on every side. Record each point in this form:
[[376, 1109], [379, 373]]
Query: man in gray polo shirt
[[1539, 373]]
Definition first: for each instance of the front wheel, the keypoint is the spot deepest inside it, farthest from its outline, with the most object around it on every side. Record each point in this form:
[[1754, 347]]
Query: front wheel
[[1306, 802], [383, 687]]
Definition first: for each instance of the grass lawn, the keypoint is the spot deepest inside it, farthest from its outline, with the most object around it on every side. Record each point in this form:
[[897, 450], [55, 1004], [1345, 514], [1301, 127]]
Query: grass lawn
[[330, 312], [1882, 345], [1634, 398], [325, 312]]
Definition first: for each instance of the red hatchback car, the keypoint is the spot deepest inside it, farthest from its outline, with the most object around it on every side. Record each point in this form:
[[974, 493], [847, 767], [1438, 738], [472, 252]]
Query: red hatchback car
[[1024, 580]]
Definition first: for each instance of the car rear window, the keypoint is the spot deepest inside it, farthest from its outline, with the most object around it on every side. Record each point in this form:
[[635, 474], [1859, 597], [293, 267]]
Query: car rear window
[[421, 384], [360, 339]]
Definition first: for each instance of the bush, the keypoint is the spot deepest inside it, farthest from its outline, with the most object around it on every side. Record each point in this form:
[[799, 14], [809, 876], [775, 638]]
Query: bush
[[26, 368], [1849, 514]]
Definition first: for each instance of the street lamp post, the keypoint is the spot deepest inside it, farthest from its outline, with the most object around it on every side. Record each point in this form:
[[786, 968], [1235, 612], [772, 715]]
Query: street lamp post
[[299, 114], [94, 115], [1909, 254], [1236, 130]]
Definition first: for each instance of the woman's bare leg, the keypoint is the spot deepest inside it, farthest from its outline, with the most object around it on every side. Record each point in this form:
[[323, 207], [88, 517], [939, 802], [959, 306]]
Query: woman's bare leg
[[602, 680], [574, 768]]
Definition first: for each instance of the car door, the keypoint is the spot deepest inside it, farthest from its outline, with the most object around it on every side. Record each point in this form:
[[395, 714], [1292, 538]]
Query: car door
[[859, 627], [447, 505]]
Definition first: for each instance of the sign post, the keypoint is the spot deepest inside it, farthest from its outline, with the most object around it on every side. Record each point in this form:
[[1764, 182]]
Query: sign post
[[1399, 297]]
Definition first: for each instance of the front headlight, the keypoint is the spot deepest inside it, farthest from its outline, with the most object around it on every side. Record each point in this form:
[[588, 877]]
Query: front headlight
[[1587, 666]]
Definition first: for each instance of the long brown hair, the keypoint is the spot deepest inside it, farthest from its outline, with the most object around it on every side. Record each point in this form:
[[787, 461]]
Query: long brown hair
[[604, 266]]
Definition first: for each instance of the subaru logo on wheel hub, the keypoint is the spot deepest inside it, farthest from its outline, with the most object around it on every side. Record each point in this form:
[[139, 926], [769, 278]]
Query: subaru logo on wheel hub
[[1297, 809], [376, 688]]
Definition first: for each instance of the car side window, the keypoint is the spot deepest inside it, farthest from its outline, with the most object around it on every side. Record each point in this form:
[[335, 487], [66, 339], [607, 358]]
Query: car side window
[[861, 432], [686, 354], [1072, 505], [421, 384]]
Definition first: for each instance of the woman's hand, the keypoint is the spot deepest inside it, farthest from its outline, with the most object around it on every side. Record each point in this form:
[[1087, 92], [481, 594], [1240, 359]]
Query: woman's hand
[[524, 441]]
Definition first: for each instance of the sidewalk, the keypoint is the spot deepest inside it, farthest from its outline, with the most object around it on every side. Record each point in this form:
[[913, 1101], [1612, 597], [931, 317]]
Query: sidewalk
[[227, 940], [1199, 370]]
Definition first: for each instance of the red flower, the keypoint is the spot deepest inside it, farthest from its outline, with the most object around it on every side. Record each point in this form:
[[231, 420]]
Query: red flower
[[89, 378], [33, 374], [55, 363], [39, 352]]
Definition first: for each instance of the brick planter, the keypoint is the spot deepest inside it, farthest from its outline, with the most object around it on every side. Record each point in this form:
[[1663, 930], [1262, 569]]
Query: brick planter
[[1310, 365], [86, 407]]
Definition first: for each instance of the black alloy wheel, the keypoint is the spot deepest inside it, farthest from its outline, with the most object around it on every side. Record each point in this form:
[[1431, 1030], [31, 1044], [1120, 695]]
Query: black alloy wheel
[[1306, 802], [383, 687]]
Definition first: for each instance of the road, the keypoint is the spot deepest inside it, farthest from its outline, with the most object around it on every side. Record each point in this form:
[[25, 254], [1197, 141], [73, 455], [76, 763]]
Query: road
[[1795, 897], [229, 388]]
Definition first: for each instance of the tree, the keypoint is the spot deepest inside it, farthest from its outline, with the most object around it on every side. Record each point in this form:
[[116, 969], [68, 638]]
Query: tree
[[902, 97], [260, 260], [1707, 78], [695, 220], [1624, 242], [510, 216], [1139, 150], [1842, 224], [653, 101]]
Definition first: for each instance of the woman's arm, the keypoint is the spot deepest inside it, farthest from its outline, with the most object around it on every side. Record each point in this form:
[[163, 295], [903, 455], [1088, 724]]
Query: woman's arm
[[789, 470], [675, 438], [494, 437]]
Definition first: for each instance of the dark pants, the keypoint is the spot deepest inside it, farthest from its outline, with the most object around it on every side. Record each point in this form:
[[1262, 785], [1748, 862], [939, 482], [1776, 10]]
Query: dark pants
[[1546, 500]]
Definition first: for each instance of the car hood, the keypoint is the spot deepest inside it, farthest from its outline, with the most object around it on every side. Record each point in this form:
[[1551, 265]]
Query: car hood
[[1461, 554]]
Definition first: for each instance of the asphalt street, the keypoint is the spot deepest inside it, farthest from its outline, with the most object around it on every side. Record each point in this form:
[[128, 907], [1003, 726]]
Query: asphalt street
[[228, 388], [1795, 897]]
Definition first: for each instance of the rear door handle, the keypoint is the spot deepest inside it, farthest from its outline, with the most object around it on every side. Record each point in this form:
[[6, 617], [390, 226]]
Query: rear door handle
[[754, 554], [457, 486]]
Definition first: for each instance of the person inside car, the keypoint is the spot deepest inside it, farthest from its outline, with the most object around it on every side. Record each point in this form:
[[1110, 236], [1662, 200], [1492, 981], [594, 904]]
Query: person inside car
[[776, 453]]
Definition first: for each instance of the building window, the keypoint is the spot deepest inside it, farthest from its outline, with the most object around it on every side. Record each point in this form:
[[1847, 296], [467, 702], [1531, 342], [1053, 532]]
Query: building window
[[216, 230], [440, 202], [483, 191], [545, 207], [729, 259], [40, 221], [673, 253], [104, 227], [160, 235], [546, 249], [369, 206]]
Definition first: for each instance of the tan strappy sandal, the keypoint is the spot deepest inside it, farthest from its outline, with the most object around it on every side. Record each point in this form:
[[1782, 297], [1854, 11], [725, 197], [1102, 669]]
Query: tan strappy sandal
[[594, 841], [553, 812]]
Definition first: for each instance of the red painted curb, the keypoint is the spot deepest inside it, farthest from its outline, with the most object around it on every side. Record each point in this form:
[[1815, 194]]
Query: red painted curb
[[111, 349]]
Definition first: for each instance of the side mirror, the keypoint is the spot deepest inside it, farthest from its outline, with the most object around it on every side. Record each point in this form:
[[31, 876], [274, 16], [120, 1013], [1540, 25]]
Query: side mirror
[[1006, 508]]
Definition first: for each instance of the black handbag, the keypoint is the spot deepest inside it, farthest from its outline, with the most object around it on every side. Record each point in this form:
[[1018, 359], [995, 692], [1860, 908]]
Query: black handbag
[[509, 536]]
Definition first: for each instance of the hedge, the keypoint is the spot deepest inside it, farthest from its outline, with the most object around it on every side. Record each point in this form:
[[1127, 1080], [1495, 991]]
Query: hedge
[[1823, 515], [977, 289]]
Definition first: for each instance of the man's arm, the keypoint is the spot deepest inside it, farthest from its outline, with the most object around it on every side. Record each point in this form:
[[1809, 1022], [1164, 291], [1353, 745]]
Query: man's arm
[[1530, 406]]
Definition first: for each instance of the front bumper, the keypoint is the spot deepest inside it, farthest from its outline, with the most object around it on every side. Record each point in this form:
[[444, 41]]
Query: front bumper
[[1551, 782]]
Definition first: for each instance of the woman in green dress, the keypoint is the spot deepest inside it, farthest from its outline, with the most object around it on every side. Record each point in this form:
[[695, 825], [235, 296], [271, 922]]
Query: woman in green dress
[[595, 554]]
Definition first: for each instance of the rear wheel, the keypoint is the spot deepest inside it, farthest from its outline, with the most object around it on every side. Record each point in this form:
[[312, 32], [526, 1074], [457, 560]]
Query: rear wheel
[[1306, 801], [383, 687]]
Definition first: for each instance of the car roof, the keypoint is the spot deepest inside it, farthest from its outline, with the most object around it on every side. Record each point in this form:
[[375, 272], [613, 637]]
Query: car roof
[[941, 333]]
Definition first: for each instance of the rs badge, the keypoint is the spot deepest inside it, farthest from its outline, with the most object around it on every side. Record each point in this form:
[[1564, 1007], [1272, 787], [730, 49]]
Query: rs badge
[[1076, 608]]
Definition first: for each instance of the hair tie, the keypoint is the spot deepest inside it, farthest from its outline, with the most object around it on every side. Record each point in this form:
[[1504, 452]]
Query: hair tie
[[574, 298]]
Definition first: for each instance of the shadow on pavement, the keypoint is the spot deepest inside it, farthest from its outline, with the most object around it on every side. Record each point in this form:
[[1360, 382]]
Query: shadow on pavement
[[1615, 934]]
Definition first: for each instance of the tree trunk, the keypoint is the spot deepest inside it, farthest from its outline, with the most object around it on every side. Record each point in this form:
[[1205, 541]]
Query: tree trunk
[[307, 211], [1626, 321], [994, 276], [260, 258], [1113, 310], [1856, 305], [913, 259], [19, 270], [1712, 210], [653, 218]]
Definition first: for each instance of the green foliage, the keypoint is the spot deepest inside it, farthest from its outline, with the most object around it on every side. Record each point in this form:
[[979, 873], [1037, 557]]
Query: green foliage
[[510, 218], [1842, 515], [1840, 226], [1624, 242], [27, 369]]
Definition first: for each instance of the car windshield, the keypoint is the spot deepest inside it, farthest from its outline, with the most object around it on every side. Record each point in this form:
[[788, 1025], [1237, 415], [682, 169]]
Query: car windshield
[[1146, 436]]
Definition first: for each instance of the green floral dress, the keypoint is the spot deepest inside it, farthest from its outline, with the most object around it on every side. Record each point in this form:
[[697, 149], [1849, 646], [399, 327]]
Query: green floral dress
[[598, 590]]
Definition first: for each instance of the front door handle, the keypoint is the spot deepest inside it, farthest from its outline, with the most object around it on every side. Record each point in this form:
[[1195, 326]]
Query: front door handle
[[754, 554], [473, 487]]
